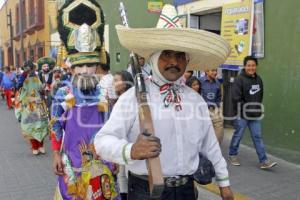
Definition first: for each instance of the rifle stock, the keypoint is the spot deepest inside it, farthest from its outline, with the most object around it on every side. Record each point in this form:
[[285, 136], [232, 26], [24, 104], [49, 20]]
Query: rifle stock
[[156, 182]]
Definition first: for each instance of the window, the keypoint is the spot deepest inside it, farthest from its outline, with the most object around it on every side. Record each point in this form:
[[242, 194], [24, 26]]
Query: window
[[40, 12], [1, 57], [17, 63], [31, 13], [17, 26], [31, 54], [23, 15], [24, 55], [10, 56], [40, 52]]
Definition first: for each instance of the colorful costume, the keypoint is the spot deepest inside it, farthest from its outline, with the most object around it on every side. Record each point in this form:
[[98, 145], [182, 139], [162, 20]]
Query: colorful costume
[[77, 113], [87, 177], [32, 112]]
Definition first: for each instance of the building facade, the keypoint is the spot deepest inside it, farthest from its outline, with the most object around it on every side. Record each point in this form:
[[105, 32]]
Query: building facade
[[26, 29]]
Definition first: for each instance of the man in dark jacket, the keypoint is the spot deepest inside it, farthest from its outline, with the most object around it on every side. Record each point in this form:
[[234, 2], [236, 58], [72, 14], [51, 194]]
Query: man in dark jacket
[[247, 99]]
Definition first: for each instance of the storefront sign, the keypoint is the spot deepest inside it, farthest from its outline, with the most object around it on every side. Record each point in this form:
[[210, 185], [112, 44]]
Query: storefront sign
[[258, 49], [237, 29], [155, 6]]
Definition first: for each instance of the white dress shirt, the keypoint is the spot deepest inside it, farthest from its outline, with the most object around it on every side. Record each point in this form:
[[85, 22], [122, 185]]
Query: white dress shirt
[[183, 134]]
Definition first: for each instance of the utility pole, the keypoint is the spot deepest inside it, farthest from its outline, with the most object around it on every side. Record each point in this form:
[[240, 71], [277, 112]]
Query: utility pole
[[21, 25], [11, 34]]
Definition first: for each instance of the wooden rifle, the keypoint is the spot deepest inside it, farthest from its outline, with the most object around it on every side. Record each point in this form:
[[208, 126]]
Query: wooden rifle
[[155, 177]]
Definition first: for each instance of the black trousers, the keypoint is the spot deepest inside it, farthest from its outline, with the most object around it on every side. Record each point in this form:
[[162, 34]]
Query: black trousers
[[138, 189]]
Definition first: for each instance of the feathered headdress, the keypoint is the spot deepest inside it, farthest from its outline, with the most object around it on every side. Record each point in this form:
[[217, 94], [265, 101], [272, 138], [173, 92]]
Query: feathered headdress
[[81, 28]]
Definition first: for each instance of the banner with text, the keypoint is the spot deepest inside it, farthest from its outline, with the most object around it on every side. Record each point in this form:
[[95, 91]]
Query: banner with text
[[236, 28]]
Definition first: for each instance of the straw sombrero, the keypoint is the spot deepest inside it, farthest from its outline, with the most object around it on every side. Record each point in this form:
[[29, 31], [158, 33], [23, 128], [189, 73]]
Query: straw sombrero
[[205, 50]]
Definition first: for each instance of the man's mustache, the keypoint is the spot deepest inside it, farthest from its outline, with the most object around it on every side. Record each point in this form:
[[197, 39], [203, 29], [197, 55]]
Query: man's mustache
[[173, 67]]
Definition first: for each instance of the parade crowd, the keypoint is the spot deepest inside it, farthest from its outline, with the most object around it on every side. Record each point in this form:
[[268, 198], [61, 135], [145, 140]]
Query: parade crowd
[[92, 116]]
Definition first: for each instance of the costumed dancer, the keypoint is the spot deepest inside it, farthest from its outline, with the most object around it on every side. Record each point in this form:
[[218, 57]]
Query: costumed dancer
[[78, 111], [45, 67], [31, 109], [57, 80]]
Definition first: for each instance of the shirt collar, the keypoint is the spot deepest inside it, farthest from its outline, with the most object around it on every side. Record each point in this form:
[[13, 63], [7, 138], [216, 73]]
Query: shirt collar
[[206, 79]]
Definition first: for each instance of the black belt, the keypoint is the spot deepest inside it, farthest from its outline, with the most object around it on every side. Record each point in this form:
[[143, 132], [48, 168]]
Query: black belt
[[175, 181]]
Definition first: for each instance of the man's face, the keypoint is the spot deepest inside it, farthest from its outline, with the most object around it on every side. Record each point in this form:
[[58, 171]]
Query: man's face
[[172, 64], [45, 67], [187, 75], [141, 61], [250, 67], [212, 74], [57, 75], [118, 84]]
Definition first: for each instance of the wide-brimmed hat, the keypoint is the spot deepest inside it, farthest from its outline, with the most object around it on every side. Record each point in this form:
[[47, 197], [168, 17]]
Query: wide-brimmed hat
[[46, 60], [205, 50]]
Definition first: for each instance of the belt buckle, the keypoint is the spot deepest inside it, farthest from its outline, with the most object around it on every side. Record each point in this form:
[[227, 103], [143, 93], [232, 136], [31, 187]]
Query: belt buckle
[[175, 181]]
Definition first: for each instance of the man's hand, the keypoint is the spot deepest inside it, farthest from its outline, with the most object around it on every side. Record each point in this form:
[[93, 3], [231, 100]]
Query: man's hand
[[226, 193], [58, 166], [145, 147]]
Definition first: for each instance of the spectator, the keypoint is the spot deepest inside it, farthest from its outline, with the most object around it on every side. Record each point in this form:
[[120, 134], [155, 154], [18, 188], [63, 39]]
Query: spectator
[[146, 70], [106, 82], [188, 74], [1, 89], [122, 82], [211, 92], [247, 98], [194, 83]]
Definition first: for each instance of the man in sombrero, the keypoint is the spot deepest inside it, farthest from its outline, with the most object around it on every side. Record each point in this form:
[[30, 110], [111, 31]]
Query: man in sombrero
[[181, 119], [78, 110]]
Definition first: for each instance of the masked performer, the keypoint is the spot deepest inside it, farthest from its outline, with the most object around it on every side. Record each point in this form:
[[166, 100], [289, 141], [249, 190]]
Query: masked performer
[[31, 109], [78, 111]]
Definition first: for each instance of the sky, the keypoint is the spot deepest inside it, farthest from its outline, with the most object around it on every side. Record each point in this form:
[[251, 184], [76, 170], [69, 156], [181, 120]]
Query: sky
[[1, 2]]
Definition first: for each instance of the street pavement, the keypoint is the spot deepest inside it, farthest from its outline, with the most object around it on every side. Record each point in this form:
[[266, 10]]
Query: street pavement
[[22, 175], [249, 182], [27, 177]]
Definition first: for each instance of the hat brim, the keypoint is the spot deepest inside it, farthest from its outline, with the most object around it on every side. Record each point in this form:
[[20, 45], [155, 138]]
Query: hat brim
[[46, 60], [84, 58], [205, 50]]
